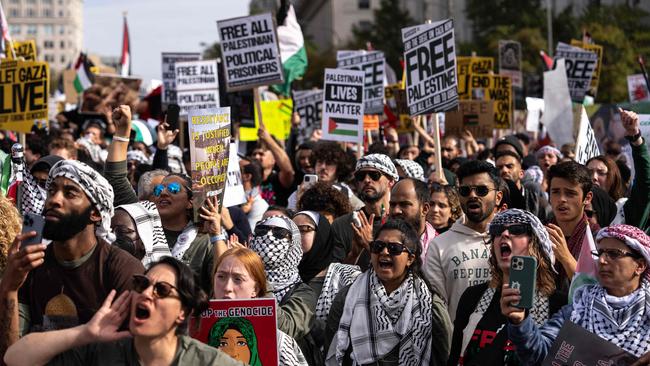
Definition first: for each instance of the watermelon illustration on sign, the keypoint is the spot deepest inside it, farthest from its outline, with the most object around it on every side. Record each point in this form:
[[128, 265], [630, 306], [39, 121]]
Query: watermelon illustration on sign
[[343, 126]]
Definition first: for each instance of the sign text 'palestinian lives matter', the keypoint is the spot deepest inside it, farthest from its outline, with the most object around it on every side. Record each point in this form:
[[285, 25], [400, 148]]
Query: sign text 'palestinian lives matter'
[[343, 105]]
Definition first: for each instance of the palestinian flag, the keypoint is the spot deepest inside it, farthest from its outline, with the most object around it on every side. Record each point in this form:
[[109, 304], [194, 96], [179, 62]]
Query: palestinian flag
[[126, 50], [85, 78], [292, 48], [4, 29], [586, 268], [343, 126]]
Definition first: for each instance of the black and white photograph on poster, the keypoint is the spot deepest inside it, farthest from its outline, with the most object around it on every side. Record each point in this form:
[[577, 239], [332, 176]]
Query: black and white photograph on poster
[[309, 105], [580, 66], [169, 59], [197, 85], [197, 99], [430, 62], [343, 105], [372, 64], [510, 61], [249, 48]]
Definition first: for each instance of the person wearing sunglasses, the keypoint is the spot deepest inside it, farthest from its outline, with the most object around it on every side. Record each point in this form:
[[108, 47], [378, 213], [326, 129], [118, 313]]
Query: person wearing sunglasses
[[616, 308], [511, 232], [458, 258], [389, 315], [158, 311]]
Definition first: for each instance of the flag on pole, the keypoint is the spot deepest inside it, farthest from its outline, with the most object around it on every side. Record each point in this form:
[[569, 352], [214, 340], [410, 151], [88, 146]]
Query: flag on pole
[[292, 48], [586, 269], [126, 50], [548, 61], [4, 27], [84, 78]]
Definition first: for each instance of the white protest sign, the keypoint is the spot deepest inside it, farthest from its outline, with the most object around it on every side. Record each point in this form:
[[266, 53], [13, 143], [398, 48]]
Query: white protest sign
[[249, 48], [586, 143], [343, 105], [637, 88], [234, 193], [430, 62], [169, 59], [372, 64], [197, 99], [510, 61], [535, 109], [558, 110], [309, 105], [580, 65], [197, 85]]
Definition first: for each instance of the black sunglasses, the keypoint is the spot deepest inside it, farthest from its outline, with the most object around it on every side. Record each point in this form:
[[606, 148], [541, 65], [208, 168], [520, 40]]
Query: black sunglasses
[[277, 232], [514, 229], [394, 249], [614, 254], [361, 175], [481, 191], [161, 289]]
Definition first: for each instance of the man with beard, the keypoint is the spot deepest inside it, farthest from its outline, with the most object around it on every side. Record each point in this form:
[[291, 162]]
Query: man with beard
[[458, 258], [409, 201], [375, 174], [62, 285]]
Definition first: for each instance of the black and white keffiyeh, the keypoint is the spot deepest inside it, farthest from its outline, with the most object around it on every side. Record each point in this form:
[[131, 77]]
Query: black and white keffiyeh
[[175, 159], [374, 323], [94, 150], [150, 230], [623, 321], [411, 168], [380, 162], [290, 353], [280, 256], [137, 156], [338, 276]]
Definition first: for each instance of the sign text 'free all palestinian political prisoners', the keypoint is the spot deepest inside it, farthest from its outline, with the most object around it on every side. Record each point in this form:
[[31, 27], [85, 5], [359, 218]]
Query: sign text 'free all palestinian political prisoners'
[[24, 90], [169, 59], [249, 48], [343, 105], [430, 62], [197, 85], [372, 64], [580, 66], [309, 105]]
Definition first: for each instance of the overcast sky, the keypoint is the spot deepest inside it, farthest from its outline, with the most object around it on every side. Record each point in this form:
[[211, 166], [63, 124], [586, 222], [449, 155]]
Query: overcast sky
[[155, 26]]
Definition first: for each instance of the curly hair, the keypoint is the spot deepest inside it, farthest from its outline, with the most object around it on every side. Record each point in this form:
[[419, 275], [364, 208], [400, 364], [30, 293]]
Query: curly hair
[[452, 197], [243, 326], [322, 197], [10, 226], [331, 152]]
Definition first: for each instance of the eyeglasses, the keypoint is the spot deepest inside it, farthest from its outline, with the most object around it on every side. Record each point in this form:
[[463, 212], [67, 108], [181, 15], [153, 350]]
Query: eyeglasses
[[361, 175], [514, 229], [614, 254], [277, 232], [304, 229], [394, 249], [480, 191], [173, 188], [161, 289], [590, 213]]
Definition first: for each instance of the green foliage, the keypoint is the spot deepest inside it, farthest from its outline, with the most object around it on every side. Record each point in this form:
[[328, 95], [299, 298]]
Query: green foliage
[[212, 52]]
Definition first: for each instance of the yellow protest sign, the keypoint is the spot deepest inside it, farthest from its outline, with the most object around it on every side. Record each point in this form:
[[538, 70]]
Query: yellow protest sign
[[467, 66], [24, 49], [24, 89], [598, 50], [497, 88], [277, 120]]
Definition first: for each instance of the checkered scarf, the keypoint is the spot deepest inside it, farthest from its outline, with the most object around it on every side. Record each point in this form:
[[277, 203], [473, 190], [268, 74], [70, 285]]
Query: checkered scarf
[[175, 159], [548, 149], [137, 156], [150, 230], [290, 353], [411, 168], [94, 150], [280, 256], [374, 323], [631, 236], [380, 162], [96, 187], [33, 197], [338, 276]]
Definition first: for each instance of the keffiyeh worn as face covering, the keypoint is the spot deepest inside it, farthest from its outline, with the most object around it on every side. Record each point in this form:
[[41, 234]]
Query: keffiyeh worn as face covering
[[280, 256], [96, 187], [93, 149], [380, 162], [534, 174], [411, 168], [631, 236], [150, 230]]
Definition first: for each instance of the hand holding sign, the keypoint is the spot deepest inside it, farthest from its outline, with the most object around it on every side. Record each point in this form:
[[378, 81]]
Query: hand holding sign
[[211, 216], [122, 120], [630, 122]]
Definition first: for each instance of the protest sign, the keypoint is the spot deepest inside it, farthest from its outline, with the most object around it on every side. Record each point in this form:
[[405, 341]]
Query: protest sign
[[510, 61], [558, 112], [129, 89], [372, 64], [277, 120], [586, 143], [169, 59], [575, 345], [598, 50], [309, 105], [430, 63], [71, 95], [197, 85], [22, 49], [24, 91], [209, 131], [396, 98], [637, 88], [343, 105], [580, 65], [249, 48], [245, 329], [234, 194], [477, 116], [535, 110], [471, 65], [370, 122], [499, 89]]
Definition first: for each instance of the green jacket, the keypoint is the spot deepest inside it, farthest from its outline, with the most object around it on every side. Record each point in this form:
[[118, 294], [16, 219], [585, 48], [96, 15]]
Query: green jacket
[[637, 207]]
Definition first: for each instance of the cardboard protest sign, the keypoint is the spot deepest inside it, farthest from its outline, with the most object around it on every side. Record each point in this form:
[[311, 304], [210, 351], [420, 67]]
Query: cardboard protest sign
[[510, 61], [580, 66], [169, 59], [249, 48], [209, 131], [598, 50], [277, 120], [477, 116], [535, 110], [471, 65], [24, 91], [245, 329], [637, 88], [575, 345], [430, 63], [234, 194], [586, 143], [309, 105], [22, 49], [499, 89], [197, 85], [558, 112], [372, 64], [343, 105], [71, 95]]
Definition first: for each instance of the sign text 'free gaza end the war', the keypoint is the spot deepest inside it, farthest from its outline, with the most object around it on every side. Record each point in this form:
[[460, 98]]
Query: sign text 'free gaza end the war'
[[249, 48], [430, 62]]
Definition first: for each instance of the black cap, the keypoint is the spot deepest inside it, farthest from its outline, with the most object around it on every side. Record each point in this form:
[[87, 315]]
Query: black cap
[[45, 163], [513, 141]]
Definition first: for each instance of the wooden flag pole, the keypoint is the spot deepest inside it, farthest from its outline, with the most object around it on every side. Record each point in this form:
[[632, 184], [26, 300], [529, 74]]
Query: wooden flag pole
[[258, 107], [436, 138]]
